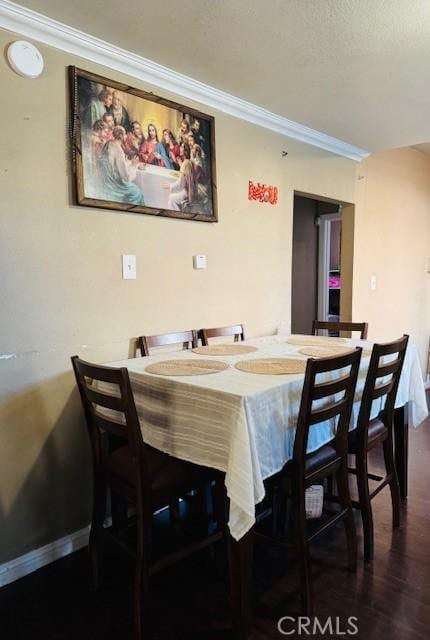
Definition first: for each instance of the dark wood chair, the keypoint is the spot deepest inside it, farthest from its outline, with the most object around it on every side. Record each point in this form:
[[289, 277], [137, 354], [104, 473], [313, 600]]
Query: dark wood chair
[[382, 381], [337, 327], [236, 330], [186, 337], [147, 478], [306, 469]]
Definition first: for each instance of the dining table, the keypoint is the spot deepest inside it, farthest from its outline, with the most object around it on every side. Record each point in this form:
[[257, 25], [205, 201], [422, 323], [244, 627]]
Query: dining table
[[239, 417]]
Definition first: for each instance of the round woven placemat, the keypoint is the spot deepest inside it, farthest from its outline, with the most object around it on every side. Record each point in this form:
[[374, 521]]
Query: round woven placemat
[[272, 366], [225, 349], [306, 341], [195, 367], [324, 352], [328, 351]]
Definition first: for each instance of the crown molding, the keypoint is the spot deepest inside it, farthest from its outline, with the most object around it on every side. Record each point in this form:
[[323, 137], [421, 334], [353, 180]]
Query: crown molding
[[33, 25]]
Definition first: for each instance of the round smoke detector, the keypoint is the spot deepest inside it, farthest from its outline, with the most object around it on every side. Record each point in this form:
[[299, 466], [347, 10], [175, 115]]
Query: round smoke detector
[[25, 59]]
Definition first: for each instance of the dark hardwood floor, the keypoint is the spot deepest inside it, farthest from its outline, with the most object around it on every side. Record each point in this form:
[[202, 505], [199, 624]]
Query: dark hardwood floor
[[190, 601]]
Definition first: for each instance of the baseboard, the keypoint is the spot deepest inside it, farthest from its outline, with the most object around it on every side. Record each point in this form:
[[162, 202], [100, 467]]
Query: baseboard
[[34, 560], [29, 562]]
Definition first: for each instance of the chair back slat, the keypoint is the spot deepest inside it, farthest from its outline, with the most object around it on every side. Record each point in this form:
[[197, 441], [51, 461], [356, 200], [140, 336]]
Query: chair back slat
[[325, 413], [344, 370], [104, 374], [387, 369], [318, 325], [236, 330], [376, 388], [115, 428], [382, 390], [104, 400], [187, 338], [332, 363], [324, 389]]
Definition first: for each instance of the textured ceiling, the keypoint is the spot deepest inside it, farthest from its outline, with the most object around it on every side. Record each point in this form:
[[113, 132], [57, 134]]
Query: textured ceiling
[[358, 70]]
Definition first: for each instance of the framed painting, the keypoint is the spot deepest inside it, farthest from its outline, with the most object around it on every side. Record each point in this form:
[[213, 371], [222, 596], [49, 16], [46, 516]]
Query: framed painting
[[136, 152]]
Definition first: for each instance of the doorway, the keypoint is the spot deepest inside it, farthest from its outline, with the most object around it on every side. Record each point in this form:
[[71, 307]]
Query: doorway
[[322, 262]]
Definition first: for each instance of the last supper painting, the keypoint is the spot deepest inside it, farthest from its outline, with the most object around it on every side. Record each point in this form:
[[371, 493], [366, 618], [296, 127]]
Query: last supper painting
[[137, 152]]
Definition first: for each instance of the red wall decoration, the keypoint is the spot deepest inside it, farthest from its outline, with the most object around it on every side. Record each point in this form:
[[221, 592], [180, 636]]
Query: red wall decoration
[[262, 192]]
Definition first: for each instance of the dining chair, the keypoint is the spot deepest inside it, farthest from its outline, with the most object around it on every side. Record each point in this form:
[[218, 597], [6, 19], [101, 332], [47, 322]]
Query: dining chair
[[186, 337], [318, 325], [328, 394], [381, 385], [236, 330], [147, 478]]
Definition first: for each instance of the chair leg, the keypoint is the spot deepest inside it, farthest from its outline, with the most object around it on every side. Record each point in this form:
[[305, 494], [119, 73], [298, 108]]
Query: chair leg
[[220, 504], [302, 545], [119, 512], [277, 503], [288, 514], [98, 517], [219, 501], [240, 570], [394, 482], [330, 486], [141, 580], [174, 511], [349, 522], [365, 505], [140, 595], [204, 505]]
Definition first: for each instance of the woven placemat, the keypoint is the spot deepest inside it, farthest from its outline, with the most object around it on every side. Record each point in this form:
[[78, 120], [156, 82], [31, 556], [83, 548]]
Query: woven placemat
[[193, 367], [324, 352], [225, 349], [306, 341], [327, 352], [272, 366]]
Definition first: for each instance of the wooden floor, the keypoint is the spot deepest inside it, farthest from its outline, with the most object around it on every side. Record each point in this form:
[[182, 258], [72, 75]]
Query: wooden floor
[[190, 602]]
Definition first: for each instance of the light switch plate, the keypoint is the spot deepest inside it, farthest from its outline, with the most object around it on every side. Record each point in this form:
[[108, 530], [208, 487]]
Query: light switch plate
[[373, 283], [129, 271], [200, 262]]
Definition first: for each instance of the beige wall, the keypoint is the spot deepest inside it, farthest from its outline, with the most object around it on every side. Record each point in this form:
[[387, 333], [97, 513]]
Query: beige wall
[[392, 241], [62, 292]]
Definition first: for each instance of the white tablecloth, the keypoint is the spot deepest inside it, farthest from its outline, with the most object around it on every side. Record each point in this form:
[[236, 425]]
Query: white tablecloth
[[243, 423]]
